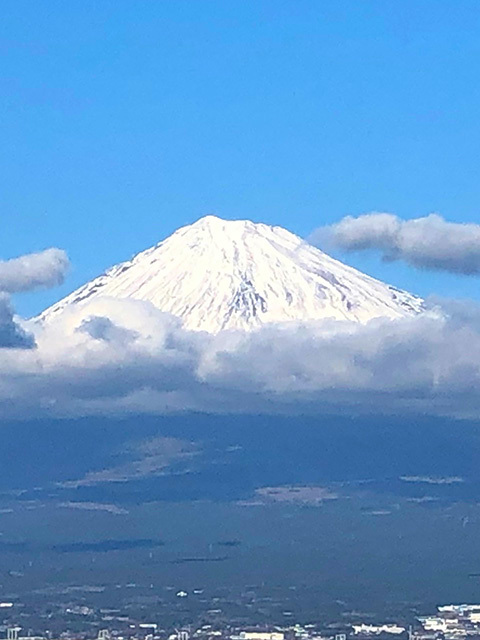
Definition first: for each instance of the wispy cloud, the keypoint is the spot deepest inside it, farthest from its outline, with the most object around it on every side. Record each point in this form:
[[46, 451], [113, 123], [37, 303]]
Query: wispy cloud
[[426, 243], [33, 271]]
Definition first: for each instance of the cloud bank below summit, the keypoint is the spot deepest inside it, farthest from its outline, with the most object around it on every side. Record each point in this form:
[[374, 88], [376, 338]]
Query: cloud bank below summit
[[429, 242], [115, 357]]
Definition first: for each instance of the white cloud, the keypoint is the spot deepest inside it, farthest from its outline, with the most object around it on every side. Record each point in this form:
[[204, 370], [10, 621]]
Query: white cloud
[[123, 356], [33, 271], [426, 243]]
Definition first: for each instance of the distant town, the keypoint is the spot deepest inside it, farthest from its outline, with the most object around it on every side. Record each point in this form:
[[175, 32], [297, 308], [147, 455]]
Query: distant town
[[448, 622]]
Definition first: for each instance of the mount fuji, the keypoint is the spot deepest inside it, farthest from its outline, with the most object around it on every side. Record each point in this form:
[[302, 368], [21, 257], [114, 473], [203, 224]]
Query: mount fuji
[[219, 274]]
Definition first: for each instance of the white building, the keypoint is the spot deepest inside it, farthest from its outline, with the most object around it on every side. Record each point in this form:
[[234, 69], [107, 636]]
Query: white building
[[375, 630], [434, 623], [262, 635]]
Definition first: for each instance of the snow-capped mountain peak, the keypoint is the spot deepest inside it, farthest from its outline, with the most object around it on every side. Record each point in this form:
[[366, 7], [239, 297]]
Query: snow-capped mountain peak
[[236, 274]]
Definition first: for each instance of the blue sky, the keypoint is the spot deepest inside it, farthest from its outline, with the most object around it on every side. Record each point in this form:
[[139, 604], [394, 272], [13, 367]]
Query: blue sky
[[121, 121]]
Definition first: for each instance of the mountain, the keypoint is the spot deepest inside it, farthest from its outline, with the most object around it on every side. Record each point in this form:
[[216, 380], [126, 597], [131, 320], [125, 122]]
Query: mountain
[[219, 274]]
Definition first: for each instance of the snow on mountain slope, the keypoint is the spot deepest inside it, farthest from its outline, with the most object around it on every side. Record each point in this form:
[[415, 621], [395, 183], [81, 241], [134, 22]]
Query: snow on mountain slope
[[217, 274]]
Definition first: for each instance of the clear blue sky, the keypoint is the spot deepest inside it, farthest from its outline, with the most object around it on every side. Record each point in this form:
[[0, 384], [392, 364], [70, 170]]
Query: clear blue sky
[[124, 119]]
